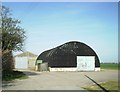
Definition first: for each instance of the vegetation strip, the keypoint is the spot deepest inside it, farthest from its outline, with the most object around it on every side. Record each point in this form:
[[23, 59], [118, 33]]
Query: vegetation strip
[[12, 75], [112, 86], [112, 66], [105, 90]]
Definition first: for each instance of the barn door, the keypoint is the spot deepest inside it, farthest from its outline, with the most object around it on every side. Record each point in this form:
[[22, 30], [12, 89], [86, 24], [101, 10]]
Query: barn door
[[21, 62], [85, 63]]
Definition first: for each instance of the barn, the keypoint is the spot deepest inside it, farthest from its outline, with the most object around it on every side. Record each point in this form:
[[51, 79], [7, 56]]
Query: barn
[[25, 60], [71, 56]]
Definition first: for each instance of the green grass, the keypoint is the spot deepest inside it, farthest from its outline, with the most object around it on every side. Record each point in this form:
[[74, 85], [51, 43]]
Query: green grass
[[12, 75], [110, 66], [112, 86]]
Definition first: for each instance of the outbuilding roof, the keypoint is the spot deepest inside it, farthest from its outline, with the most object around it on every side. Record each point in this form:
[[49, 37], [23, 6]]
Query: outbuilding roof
[[26, 54]]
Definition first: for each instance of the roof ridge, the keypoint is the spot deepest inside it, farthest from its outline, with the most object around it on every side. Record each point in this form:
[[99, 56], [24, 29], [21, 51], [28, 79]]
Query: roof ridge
[[27, 53]]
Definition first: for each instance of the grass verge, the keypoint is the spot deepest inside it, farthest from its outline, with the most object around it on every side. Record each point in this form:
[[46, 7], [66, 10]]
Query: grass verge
[[12, 75], [112, 86], [110, 66]]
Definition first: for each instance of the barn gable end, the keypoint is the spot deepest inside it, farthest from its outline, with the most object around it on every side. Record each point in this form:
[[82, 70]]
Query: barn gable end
[[25, 60]]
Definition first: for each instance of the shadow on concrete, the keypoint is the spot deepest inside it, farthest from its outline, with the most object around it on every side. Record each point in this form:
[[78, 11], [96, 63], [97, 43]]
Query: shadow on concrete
[[30, 73], [105, 90], [11, 83], [7, 84]]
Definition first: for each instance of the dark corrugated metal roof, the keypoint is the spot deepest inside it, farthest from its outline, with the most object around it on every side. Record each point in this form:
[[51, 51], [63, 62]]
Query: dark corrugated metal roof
[[66, 55]]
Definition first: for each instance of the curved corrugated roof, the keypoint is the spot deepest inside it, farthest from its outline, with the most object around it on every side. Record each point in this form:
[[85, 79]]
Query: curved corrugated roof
[[65, 55]]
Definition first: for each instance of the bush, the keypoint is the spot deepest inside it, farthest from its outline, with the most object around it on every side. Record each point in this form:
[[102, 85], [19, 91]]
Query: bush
[[11, 75]]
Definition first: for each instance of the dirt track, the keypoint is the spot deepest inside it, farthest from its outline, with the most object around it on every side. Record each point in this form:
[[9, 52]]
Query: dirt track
[[60, 80]]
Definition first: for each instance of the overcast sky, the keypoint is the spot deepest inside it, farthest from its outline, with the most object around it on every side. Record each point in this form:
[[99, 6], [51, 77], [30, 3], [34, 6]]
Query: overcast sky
[[48, 25]]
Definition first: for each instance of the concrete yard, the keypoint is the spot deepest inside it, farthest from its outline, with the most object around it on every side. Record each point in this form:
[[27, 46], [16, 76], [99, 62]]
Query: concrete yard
[[60, 80]]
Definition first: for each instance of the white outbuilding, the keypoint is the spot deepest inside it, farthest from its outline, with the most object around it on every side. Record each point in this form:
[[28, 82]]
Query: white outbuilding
[[25, 60]]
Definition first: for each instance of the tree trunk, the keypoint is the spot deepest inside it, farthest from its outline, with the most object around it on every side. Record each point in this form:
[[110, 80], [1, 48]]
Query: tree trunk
[[7, 61]]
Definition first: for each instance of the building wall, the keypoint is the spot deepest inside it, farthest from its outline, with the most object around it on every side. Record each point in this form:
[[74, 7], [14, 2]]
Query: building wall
[[21, 62], [31, 63], [63, 69], [69, 69], [84, 63], [25, 63], [42, 67]]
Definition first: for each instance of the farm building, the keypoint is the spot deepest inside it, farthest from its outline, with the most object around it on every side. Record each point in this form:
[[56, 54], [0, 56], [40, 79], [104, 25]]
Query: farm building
[[71, 56], [25, 60]]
